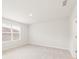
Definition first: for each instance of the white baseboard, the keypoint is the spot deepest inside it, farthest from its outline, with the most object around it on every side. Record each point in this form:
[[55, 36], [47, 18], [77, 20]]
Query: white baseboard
[[49, 46]]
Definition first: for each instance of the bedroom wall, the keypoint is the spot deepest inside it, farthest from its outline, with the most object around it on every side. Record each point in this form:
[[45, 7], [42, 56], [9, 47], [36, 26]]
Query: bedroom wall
[[55, 33], [24, 36]]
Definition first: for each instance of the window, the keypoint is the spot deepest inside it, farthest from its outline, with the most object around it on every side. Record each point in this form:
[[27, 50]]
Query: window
[[10, 32]]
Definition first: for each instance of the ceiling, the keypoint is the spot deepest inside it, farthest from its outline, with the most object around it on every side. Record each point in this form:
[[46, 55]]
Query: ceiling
[[33, 11]]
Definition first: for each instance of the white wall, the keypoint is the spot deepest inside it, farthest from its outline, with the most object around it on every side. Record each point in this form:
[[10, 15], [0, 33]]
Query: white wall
[[54, 33], [16, 43]]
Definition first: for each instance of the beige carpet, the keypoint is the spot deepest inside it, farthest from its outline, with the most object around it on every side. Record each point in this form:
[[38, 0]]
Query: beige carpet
[[36, 52]]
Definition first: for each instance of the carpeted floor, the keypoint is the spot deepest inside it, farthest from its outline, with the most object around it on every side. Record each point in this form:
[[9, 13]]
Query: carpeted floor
[[36, 52]]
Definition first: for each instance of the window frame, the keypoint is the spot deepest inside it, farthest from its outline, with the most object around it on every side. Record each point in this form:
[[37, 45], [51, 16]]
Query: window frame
[[11, 32]]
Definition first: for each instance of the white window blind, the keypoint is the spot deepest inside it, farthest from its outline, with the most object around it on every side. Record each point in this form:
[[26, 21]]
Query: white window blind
[[10, 32]]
